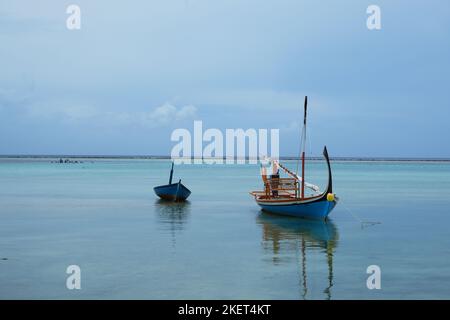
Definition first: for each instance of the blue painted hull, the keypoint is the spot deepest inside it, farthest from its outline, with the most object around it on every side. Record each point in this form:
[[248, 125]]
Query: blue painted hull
[[172, 192], [318, 210]]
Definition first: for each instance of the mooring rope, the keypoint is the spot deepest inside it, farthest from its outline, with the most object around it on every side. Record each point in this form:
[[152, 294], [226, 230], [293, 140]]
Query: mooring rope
[[356, 217]]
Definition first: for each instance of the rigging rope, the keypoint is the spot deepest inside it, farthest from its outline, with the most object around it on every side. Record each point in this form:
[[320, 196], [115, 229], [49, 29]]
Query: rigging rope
[[300, 150]]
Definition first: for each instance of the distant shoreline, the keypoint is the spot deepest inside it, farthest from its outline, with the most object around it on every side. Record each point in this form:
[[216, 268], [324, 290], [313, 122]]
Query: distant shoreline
[[156, 157]]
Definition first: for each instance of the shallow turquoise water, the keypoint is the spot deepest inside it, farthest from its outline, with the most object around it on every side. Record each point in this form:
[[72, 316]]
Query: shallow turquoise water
[[104, 217]]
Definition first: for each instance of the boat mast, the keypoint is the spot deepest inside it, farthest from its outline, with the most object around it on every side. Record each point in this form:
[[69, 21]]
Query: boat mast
[[171, 174], [303, 150]]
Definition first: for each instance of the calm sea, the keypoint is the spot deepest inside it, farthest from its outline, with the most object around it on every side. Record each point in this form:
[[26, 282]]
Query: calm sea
[[103, 216]]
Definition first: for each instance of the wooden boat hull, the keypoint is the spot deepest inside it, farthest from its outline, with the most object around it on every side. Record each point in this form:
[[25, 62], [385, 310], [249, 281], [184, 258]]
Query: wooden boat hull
[[172, 192], [310, 210]]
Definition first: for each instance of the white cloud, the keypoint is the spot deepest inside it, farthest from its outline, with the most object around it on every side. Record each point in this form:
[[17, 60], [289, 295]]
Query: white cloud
[[186, 112], [162, 114], [167, 114]]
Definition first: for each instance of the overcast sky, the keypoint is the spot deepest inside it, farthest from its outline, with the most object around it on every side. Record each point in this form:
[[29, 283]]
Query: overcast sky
[[136, 70]]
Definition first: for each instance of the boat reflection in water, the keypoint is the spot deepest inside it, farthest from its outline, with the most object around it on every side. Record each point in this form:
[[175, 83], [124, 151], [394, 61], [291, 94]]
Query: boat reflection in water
[[300, 237], [172, 216]]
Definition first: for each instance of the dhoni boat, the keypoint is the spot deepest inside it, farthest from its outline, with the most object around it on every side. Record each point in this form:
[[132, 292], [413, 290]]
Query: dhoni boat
[[287, 195], [172, 191]]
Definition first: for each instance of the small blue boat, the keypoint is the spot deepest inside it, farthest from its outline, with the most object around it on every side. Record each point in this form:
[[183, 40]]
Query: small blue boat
[[287, 196], [172, 191]]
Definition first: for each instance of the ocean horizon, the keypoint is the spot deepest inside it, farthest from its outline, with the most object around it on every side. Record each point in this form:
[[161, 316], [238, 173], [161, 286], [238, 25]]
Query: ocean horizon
[[165, 157]]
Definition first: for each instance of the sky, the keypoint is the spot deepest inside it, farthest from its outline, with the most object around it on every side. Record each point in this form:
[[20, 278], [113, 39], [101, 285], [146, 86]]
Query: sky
[[137, 70]]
